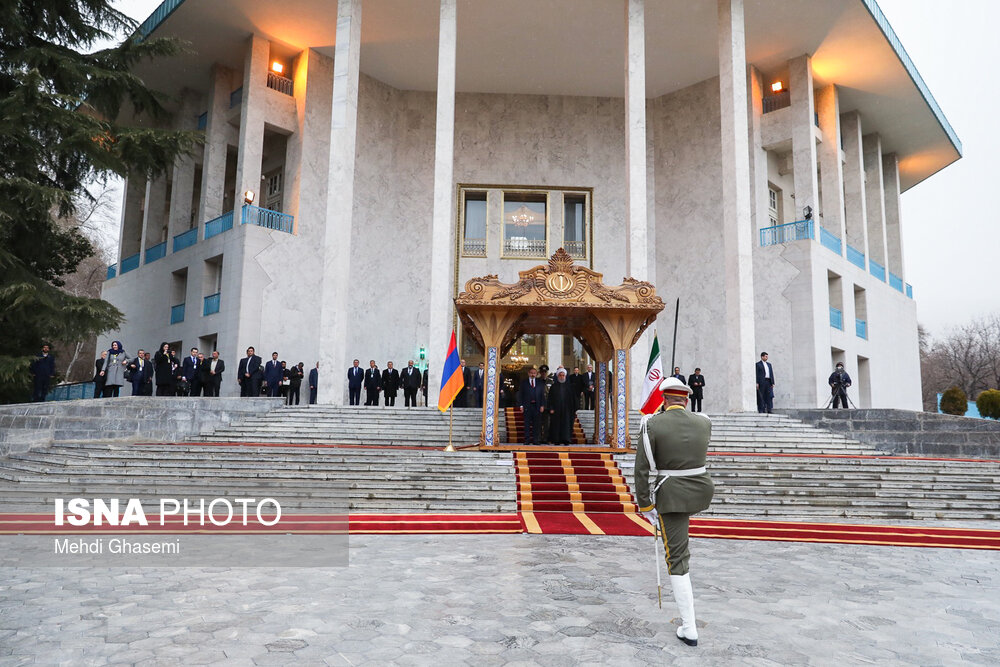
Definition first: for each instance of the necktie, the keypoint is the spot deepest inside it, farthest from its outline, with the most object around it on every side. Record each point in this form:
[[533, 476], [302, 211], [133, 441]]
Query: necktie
[[532, 383]]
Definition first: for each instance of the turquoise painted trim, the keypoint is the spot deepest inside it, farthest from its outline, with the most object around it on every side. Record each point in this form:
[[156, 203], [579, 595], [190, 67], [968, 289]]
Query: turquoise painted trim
[[876, 269], [177, 313], [895, 282], [829, 240], [186, 239], [836, 318], [158, 251], [861, 329], [218, 225], [909, 291], [264, 217], [159, 15], [112, 271], [212, 302], [130, 263], [855, 257], [911, 69], [790, 231]]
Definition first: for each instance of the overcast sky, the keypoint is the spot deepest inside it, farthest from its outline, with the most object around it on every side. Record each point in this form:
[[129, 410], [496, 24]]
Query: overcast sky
[[950, 237]]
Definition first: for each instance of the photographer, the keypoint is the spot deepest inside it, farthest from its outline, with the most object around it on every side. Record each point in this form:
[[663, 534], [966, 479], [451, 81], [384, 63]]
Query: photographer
[[839, 382]]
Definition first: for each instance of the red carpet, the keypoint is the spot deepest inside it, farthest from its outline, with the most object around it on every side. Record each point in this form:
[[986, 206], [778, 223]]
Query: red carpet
[[551, 523], [570, 482], [514, 417]]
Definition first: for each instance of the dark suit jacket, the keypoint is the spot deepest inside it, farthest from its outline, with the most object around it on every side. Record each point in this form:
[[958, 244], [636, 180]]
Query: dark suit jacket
[[373, 378], [98, 367], [205, 371], [43, 368], [355, 377], [250, 365], [141, 377], [589, 379], [190, 368], [410, 377], [532, 398], [313, 378], [273, 373], [760, 372], [696, 381], [478, 380], [164, 367], [390, 381]]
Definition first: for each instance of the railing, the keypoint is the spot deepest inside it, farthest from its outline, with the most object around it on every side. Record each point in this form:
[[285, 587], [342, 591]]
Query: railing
[[855, 257], [71, 391], [212, 303], [158, 251], [829, 240], [129, 263], [112, 271], [177, 313], [218, 225], [158, 16], [790, 231], [895, 282], [264, 217], [280, 83], [203, 121], [576, 249], [236, 97], [861, 329], [909, 291], [778, 101], [836, 319], [474, 247], [876, 269], [522, 247], [186, 239]]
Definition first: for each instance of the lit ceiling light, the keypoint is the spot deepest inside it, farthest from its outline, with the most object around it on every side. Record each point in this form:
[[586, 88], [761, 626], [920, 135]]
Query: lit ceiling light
[[776, 87], [248, 196], [277, 67], [522, 217]]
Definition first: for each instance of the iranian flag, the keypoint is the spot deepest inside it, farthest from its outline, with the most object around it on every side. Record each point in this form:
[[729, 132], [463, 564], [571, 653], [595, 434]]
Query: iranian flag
[[651, 385]]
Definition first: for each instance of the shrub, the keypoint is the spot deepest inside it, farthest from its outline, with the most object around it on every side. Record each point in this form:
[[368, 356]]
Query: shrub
[[954, 402], [989, 404]]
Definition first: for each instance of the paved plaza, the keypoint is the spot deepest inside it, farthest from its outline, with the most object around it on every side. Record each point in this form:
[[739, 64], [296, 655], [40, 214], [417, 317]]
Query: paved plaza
[[517, 599]]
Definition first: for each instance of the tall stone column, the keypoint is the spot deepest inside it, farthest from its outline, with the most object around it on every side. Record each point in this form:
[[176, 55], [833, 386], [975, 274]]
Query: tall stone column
[[831, 168], [131, 236], [636, 241], [874, 198], [182, 178], [893, 224], [154, 215], [213, 166], [336, 271], [803, 111], [252, 114], [737, 222], [856, 215], [442, 260]]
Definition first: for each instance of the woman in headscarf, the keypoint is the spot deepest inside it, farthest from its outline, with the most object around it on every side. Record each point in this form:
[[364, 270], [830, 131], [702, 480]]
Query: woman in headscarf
[[114, 369]]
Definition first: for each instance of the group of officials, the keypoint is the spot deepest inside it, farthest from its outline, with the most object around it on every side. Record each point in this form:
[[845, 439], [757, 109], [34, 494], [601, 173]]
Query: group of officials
[[549, 403], [275, 378]]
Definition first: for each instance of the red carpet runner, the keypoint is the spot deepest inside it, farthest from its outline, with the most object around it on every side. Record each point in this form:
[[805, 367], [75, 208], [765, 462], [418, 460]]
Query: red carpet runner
[[570, 482], [514, 418]]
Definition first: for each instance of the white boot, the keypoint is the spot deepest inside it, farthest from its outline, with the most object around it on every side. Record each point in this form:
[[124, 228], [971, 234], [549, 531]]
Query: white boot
[[684, 597]]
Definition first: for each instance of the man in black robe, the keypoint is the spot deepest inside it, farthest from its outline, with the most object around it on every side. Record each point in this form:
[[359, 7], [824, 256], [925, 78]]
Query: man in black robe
[[560, 404]]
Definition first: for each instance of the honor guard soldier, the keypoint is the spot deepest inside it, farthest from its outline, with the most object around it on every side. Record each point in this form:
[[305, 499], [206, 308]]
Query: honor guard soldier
[[672, 484]]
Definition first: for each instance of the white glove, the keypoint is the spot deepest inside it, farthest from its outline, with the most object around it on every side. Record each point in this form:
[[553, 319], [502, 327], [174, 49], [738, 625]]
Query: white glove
[[652, 517]]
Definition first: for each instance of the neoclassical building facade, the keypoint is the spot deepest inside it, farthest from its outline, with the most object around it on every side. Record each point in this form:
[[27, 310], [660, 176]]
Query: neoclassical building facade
[[363, 159]]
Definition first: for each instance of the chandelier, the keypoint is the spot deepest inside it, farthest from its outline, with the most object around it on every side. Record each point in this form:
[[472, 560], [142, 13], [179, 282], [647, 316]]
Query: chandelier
[[522, 217]]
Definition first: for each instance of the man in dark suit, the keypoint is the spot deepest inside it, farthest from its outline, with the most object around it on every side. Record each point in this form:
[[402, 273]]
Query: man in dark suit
[[355, 378], [250, 374], [678, 375], [373, 383], [210, 374], [390, 384], [532, 399], [696, 381], [765, 385], [141, 372], [478, 382], [589, 384], [313, 384], [190, 369], [576, 384], [410, 377], [273, 373], [462, 398], [99, 375], [42, 369]]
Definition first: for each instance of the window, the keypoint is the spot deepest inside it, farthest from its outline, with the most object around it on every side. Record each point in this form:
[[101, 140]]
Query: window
[[474, 212], [272, 190], [772, 205], [575, 225], [525, 224]]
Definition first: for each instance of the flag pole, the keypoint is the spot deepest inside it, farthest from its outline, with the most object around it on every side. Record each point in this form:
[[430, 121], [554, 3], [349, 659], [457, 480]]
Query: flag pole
[[451, 418], [673, 348]]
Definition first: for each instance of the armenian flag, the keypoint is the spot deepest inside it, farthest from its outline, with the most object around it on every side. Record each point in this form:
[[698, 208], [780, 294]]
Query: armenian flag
[[451, 377]]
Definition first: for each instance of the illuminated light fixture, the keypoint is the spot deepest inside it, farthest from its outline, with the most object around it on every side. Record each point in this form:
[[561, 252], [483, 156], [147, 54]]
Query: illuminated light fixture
[[777, 87], [807, 213], [522, 217], [277, 67], [248, 197]]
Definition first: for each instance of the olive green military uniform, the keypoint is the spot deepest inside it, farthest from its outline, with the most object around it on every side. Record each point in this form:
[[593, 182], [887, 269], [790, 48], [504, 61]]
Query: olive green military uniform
[[678, 440]]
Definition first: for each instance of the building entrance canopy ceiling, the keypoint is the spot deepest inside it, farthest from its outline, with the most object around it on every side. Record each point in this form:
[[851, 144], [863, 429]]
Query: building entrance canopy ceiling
[[564, 299]]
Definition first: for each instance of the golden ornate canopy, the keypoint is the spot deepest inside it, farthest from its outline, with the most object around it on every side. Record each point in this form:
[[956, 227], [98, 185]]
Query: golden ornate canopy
[[564, 299]]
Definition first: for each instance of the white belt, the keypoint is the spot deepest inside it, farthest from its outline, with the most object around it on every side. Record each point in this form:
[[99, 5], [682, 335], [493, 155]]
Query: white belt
[[664, 475]]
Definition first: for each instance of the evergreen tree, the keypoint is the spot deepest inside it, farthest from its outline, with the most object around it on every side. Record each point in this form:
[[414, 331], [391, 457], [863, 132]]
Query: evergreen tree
[[62, 128]]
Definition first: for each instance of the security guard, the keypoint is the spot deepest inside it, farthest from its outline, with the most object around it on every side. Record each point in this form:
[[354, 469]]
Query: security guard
[[671, 484]]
